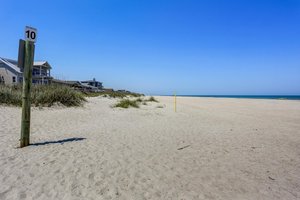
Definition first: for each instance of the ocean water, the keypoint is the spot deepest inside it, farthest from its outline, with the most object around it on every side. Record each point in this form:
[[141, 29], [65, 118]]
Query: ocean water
[[280, 97]]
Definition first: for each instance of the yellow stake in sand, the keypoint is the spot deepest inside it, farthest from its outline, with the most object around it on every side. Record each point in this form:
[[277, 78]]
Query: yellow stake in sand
[[175, 102]]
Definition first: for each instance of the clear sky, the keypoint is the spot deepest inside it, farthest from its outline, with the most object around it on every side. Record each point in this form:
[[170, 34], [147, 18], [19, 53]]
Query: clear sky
[[162, 46]]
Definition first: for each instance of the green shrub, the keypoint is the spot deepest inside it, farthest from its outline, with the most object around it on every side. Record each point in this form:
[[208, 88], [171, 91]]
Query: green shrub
[[42, 95], [126, 103], [139, 100], [112, 94], [90, 94], [47, 95], [11, 95], [152, 99]]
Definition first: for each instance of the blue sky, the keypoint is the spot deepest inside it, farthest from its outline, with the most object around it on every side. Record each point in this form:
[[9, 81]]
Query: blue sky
[[162, 46]]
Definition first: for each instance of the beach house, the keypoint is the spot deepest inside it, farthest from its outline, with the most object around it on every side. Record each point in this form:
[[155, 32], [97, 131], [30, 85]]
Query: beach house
[[93, 83], [84, 86], [11, 74], [41, 73]]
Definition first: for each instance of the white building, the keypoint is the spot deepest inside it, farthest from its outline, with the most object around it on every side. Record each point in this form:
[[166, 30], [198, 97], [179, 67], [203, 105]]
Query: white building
[[11, 74]]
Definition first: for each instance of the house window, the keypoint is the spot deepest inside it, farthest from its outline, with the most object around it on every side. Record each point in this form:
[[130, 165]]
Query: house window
[[14, 79]]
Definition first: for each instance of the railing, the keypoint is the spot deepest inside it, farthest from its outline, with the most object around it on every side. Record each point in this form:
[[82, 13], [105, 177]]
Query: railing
[[37, 73]]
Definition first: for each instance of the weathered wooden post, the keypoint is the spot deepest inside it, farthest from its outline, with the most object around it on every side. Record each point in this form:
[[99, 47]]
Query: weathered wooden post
[[30, 35]]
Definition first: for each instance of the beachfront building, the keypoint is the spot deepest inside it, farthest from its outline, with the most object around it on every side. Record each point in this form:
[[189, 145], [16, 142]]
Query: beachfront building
[[93, 83], [11, 74], [41, 72], [83, 86]]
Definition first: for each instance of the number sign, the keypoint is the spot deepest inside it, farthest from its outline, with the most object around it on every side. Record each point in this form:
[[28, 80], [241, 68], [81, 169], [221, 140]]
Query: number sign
[[30, 34]]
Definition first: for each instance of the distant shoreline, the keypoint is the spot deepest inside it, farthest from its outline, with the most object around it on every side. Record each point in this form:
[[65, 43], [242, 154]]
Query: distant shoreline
[[279, 97]]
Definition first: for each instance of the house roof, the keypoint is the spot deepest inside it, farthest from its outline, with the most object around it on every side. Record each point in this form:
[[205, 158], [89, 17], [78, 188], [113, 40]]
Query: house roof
[[42, 63], [88, 86], [11, 64], [74, 83], [14, 64], [89, 81]]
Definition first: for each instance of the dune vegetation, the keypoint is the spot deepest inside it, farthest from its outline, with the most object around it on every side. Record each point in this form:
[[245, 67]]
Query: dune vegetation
[[42, 95], [135, 103], [49, 95], [112, 94]]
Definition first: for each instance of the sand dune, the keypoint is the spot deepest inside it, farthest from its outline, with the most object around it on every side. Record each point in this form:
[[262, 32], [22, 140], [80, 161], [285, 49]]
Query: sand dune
[[210, 149]]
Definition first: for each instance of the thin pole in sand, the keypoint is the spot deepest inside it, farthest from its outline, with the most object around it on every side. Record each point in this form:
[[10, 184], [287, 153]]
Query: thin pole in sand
[[28, 57], [175, 106]]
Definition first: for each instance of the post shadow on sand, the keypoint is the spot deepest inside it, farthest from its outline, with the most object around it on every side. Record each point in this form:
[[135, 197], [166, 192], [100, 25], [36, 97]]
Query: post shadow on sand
[[75, 139]]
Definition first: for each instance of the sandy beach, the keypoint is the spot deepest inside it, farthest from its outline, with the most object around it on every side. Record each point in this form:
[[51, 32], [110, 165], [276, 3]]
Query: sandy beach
[[211, 148]]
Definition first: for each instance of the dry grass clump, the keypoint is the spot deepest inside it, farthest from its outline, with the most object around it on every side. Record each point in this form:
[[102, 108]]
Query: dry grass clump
[[152, 99], [126, 103], [10, 95], [42, 95], [113, 94]]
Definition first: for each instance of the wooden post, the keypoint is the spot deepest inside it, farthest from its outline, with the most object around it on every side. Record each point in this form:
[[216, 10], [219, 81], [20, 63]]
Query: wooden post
[[26, 102], [21, 55]]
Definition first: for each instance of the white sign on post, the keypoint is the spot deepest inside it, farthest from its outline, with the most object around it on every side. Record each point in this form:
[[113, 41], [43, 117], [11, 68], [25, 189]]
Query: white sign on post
[[30, 34]]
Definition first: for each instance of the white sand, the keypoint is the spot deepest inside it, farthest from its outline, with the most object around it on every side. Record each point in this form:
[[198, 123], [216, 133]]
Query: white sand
[[234, 149]]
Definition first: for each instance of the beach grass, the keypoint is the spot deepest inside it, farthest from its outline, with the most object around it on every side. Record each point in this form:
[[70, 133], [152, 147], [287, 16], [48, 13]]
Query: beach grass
[[112, 94], [152, 99], [42, 95], [11, 95], [135, 103], [140, 100], [126, 103]]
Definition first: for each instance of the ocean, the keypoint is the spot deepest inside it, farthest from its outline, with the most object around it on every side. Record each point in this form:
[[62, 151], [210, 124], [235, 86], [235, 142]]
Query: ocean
[[280, 97]]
